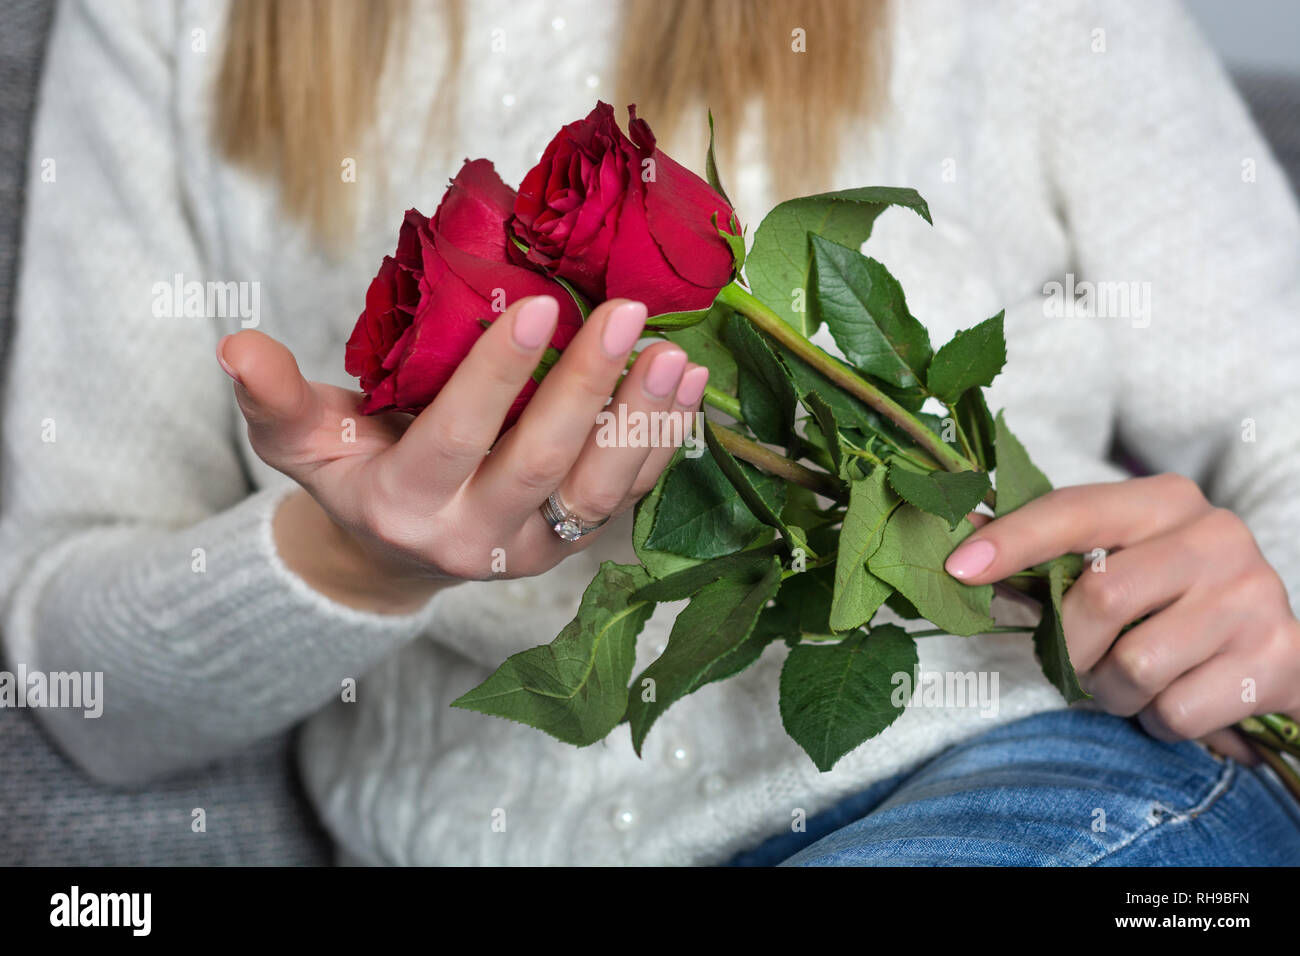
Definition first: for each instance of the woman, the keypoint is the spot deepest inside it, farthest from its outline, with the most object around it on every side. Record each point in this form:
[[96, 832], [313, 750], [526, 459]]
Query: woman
[[154, 542]]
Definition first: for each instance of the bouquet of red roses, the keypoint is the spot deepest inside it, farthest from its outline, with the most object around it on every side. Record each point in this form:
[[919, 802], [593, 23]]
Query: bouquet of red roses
[[840, 486]]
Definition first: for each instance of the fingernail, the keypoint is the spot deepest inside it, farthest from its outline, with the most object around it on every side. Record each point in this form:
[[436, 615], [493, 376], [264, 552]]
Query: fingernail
[[665, 372], [692, 387], [535, 322], [221, 360], [623, 328], [970, 559]]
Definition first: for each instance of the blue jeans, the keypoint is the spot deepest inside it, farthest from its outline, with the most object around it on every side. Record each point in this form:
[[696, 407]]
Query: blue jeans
[[1064, 788]]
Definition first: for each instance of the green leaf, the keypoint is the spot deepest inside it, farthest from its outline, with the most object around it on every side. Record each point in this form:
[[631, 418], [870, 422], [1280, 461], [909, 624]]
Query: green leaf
[[835, 696], [767, 397], [864, 308], [781, 258], [711, 166], [584, 307], [704, 346], [1049, 637], [658, 563], [911, 556], [684, 583], [803, 509], [809, 593], [975, 422], [798, 612], [677, 321], [762, 493], [700, 514], [546, 363], [734, 239], [574, 688], [1019, 481], [903, 607], [849, 412], [824, 417], [731, 664], [716, 622], [858, 592], [950, 495], [973, 357]]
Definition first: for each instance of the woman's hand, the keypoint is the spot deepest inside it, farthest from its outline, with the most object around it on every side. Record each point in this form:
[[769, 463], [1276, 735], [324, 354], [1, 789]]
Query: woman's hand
[[400, 506], [1221, 642]]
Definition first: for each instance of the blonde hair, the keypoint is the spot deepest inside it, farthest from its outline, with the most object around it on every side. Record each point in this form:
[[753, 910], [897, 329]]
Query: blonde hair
[[291, 100]]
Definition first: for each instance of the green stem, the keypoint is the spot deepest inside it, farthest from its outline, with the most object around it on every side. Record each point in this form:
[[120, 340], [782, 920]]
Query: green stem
[[763, 457], [862, 453], [1283, 726], [727, 404], [834, 371], [961, 433], [1261, 729], [998, 629]]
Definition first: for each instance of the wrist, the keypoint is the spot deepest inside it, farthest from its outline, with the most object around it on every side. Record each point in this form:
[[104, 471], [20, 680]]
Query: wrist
[[336, 563]]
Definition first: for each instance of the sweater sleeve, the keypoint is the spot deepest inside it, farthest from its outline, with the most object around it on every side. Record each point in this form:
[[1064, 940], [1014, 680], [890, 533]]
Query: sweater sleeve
[[129, 542], [1169, 191]]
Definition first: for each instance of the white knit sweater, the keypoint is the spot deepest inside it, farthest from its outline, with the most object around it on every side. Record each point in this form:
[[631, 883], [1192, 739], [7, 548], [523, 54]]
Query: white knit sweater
[[1097, 139]]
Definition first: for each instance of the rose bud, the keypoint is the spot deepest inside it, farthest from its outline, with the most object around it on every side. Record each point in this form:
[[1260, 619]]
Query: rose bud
[[424, 307], [617, 217]]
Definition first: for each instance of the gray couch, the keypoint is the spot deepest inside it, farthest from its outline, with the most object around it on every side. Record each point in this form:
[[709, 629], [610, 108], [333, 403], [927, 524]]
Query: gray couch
[[49, 812]]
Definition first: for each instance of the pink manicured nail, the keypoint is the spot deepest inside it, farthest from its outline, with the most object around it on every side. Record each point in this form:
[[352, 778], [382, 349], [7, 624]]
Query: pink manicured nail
[[535, 322], [692, 387], [970, 559], [665, 372], [221, 359], [623, 328]]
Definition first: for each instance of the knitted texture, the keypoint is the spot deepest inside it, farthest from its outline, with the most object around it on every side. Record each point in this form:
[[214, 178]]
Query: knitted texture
[[1098, 140]]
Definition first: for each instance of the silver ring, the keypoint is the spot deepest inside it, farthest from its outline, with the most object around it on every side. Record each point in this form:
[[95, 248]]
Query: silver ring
[[564, 522]]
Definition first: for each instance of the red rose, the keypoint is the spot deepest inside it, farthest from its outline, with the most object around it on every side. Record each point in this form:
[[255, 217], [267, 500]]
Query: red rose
[[617, 217], [423, 307]]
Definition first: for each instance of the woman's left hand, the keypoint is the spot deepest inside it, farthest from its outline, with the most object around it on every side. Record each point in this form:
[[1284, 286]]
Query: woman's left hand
[[1221, 642]]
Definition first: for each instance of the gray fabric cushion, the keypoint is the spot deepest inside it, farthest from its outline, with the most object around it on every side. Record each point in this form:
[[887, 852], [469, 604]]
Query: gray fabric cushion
[[51, 813]]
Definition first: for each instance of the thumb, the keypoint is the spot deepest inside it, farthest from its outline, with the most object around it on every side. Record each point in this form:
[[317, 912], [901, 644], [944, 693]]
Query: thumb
[[280, 406]]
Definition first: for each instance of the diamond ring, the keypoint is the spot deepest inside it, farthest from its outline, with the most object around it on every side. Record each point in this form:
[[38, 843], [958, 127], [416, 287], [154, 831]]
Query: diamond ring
[[564, 522]]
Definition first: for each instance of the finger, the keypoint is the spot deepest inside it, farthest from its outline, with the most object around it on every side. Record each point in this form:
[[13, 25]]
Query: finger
[[1229, 743], [1072, 520], [449, 438], [1206, 699], [674, 432], [295, 425], [271, 391], [283, 409], [1121, 588], [1149, 658], [537, 537], [534, 456], [601, 479]]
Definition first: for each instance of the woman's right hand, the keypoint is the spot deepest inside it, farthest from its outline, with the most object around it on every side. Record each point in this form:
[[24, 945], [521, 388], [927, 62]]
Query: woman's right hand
[[411, 504]]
